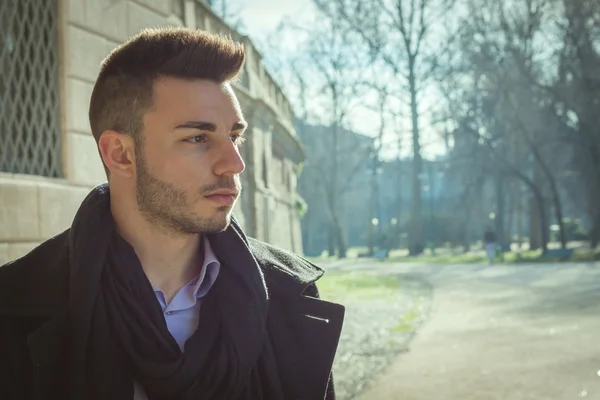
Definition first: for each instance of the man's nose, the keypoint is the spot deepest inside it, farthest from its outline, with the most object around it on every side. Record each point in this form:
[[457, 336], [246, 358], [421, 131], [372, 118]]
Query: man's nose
[[229, 160]]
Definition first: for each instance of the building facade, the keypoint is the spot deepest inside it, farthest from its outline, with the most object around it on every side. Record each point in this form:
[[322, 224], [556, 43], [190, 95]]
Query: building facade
[[50, 53]]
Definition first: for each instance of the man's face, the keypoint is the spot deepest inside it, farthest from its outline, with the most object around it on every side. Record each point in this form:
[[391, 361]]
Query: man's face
[[188, 160]]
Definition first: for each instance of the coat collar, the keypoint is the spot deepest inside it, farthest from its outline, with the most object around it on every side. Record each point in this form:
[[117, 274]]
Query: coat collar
[[289, 271]]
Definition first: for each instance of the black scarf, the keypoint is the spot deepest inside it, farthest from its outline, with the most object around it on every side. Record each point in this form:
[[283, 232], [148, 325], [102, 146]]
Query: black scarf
[[118, 332]]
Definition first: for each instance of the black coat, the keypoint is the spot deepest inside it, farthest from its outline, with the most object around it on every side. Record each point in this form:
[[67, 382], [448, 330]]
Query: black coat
[[33, 323]]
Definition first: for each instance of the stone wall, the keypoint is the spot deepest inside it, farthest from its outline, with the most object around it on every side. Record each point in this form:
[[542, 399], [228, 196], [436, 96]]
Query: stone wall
[[34, 208]]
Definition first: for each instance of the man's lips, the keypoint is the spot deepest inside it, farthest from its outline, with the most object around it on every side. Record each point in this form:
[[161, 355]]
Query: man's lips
[[224, 197]]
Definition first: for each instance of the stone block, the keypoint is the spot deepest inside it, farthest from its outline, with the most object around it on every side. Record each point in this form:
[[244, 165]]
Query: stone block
[[58, 205], [85, 52], [140, 18], [75, 11], [84, 166], [297, 238], [18, 250], [77, 104], [280, 234], [173, 20], [161, 6], [108, 17], [19, 211]]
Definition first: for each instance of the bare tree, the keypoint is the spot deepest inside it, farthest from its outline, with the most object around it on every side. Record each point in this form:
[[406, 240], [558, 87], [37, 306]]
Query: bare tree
[[384, 114], [230, 11], [576, 92], [324, 80], [565, 78], [398, 33], [499, 51]]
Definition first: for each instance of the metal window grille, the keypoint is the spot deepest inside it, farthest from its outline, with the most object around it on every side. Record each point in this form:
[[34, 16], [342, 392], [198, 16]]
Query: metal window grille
[[29, 97]]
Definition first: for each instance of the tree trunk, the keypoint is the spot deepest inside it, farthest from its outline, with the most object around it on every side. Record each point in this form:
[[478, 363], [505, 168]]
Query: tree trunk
[[371, 233], [399, 199], [340, 240], [465, 226], [519, 216], [555, 196], [510, 214], [534, 224], [370, 239], [416, 230], [331, 240], [593, 196], [542, 218], [558, 213], [336, 236], [538, 218], [536, 207], [500, 210], [333, 190]]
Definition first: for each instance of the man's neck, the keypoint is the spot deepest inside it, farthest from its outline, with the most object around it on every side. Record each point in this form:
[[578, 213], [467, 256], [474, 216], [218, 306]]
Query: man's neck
[[169, 261]]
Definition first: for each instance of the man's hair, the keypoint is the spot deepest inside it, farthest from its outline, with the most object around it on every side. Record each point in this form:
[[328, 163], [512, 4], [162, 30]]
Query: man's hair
[[124, 89]]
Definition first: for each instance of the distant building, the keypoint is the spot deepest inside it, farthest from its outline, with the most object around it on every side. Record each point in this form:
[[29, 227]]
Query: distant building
[[50, 53], [353, 190]]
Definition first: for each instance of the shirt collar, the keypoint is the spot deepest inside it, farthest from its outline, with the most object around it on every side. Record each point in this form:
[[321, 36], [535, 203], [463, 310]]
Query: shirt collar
[[208, 274]]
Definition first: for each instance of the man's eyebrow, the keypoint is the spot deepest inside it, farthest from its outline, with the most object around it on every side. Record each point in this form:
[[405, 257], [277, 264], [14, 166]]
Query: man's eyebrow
[[200, 125], [210, 127]]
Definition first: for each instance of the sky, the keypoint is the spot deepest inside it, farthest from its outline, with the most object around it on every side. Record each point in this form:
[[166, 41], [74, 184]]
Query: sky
[[262, 17]]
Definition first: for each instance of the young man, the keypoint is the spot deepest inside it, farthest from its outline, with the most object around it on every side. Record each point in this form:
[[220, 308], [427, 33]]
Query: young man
[[155, 292]]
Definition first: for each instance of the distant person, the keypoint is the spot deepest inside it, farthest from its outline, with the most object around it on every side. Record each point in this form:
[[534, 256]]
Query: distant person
[[155, 292], [489, 239]]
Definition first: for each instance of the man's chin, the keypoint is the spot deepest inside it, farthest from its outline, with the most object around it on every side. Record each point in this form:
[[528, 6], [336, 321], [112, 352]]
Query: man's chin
[[222, 220]]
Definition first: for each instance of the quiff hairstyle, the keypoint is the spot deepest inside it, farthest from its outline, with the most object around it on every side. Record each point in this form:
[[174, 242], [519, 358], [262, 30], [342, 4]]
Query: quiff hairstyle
[[124, 89]]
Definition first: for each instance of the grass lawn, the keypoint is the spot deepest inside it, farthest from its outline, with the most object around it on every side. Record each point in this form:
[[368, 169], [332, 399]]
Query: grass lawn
[[525, 256], [406, 322], [337, 285], [579, 255], [352, 252]]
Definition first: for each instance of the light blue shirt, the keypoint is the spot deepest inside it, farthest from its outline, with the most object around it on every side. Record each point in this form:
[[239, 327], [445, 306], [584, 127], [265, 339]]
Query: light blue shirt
[[182, 312]]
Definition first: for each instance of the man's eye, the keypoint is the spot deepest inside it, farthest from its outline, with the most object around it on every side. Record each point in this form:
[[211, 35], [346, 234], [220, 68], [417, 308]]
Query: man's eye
[[197, 139]]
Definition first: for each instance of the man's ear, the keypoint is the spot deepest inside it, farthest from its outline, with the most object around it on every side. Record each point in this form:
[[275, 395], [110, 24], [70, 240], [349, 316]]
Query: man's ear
[[117, 152]]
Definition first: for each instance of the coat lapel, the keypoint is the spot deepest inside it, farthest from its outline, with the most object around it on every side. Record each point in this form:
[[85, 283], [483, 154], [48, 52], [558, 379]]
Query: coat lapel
[[317, 333], [304, 329]]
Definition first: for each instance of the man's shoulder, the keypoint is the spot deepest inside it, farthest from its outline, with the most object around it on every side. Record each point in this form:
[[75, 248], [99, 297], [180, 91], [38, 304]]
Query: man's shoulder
[[280, 262], [34, 280], [50, 249]]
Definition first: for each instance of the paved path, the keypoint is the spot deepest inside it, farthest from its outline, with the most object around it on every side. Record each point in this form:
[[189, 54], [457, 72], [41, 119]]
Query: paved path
[[518, 332]]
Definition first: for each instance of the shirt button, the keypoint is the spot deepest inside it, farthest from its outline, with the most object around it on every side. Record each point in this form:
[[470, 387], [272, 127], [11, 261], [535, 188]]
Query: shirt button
[[169, 312]]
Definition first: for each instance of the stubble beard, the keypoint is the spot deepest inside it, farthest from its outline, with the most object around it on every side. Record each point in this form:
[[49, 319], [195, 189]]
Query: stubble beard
[[165, 206]]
